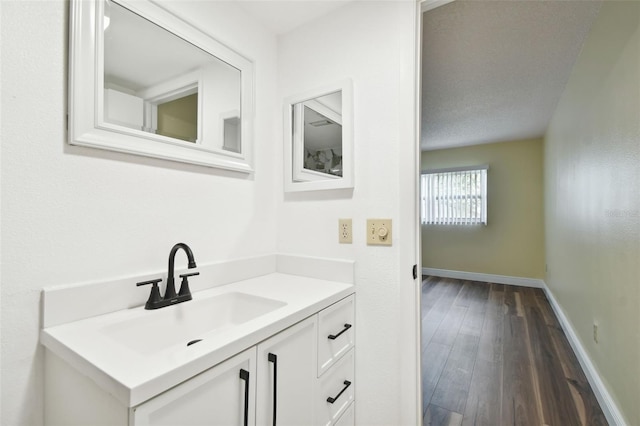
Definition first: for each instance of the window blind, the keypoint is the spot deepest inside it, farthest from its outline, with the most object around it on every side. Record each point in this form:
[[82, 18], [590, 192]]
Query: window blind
[[454, 197]]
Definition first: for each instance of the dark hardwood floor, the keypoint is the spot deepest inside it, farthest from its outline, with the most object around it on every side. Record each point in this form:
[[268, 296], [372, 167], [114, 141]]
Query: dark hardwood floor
[[496, 355]]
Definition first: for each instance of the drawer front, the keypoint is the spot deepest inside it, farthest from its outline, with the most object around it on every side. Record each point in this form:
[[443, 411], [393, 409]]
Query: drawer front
[[336, 332], [348, 418], [336, 391]]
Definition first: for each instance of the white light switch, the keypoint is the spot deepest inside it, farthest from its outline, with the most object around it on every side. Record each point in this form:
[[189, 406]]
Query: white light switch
[[379, 232]]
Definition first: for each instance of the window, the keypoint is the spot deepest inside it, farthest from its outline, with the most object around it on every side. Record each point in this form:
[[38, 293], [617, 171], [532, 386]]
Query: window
[[454, 196]]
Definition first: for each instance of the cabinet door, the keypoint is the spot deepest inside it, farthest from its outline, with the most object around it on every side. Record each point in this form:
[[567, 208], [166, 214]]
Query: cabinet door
[[222, 395], [287, 376]]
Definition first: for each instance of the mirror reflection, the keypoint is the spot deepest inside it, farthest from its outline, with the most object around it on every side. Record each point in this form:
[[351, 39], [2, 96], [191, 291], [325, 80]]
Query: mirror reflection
[[156, 82], [318, 126], [318, 138]]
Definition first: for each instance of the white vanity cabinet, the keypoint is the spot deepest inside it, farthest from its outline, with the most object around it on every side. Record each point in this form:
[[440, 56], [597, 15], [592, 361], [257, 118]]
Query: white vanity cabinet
[[306, 373], [284, 375], [302, 375]]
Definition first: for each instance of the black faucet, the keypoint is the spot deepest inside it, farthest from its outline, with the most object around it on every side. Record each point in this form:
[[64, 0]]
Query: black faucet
[[170, 297], [170, 291]]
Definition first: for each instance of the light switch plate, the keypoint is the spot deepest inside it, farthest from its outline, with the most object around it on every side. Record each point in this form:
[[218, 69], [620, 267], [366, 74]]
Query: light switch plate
[[379, 232], [345, 234]]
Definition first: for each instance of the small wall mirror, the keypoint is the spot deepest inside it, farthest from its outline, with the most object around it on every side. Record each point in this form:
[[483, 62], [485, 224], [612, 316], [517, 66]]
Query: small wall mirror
[[143, 81], [318, 139]]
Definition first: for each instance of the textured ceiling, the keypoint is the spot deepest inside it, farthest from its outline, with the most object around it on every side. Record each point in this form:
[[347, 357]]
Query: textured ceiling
[[494, 70]]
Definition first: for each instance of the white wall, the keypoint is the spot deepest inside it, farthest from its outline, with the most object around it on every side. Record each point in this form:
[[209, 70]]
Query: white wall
[[71, 215], [592, 201], [373, 43]]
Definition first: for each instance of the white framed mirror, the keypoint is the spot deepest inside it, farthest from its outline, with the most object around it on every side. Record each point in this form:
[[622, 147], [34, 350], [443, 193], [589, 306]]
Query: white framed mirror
[[143, 81], [318, 138]]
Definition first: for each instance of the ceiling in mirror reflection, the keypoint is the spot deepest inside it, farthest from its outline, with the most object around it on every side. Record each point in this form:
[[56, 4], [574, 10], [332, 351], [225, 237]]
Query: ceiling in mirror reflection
[[162, 84], [140, 54], [320, 132]]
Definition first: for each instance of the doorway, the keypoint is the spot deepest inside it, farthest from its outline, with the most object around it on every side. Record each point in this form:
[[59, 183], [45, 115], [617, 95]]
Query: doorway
[[492, 75]]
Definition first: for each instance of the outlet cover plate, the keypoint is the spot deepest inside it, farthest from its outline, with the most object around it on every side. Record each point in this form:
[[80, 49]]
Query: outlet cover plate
[[345, 234], [379, 232]]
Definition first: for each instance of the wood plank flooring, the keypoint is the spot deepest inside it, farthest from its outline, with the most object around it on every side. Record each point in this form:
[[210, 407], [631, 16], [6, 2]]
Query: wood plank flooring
[[496, 355]]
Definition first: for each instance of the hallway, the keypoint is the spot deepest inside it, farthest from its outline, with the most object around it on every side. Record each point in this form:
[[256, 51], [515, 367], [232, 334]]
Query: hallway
[[496, 355]]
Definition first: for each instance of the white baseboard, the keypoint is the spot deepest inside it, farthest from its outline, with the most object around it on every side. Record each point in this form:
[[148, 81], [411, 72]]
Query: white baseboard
[[610, 409], [489, 278]]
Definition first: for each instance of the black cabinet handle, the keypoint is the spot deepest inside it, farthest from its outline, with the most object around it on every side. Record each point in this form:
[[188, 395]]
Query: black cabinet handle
[[335, 336], [274, 359], [346, 385], [244, 375]]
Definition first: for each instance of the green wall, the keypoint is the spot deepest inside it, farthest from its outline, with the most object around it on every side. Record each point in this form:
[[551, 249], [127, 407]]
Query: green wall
[[179, 118], [592, 192], [512, 242]]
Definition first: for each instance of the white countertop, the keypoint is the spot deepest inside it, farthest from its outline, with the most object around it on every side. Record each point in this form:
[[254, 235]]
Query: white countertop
[[133, 377]]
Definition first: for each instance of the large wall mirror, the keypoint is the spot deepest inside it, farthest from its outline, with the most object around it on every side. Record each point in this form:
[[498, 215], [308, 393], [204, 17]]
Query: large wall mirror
[[318, 139], [142, 81]]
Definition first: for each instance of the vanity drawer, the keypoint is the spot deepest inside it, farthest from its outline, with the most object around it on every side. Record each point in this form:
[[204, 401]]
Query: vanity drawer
[[336, 332], [336, 391], [348, 418]]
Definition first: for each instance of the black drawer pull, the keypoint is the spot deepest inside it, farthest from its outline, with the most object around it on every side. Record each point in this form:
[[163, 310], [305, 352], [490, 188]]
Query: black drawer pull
[[244, 375], [346, 385], [335, 336], [274, 359]]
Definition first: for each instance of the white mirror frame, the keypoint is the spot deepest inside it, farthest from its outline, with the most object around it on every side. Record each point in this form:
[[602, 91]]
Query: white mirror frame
[[294, 172], [87, 126]]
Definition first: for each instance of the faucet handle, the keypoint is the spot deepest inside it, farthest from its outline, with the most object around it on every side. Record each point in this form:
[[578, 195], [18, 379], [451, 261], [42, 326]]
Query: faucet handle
[[154, 282], [184, 286], [154, 297], [188, 274]]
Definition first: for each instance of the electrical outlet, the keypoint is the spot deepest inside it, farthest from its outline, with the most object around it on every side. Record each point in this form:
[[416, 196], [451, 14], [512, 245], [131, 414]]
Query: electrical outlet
[[379, 232], [345, 236], [595, 332]]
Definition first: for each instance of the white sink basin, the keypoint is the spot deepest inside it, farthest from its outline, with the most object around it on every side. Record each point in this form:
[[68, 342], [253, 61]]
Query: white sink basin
[[188, 321], [134, 353]]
